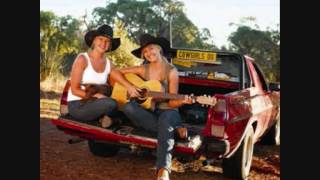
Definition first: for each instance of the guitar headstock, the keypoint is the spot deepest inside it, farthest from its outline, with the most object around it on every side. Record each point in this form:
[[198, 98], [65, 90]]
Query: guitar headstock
[[206, 100]]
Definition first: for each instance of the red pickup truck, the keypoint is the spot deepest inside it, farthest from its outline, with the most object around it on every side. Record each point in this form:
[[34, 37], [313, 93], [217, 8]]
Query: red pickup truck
[[247, 109]]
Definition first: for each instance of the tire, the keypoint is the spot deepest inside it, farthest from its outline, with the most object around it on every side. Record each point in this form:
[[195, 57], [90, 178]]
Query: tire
[[273, 135], [239, 164], [102, 149]]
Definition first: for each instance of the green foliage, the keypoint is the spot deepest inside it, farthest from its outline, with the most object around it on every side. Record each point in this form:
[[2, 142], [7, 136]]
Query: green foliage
[[59, 36], [122, 57], [153, 17], [263, 46]]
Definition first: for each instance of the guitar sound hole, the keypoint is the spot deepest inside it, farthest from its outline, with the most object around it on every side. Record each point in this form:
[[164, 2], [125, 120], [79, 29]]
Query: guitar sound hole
[[143, 94]]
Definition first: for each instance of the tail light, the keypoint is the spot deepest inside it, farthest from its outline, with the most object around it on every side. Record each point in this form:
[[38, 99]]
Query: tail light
[[219, 117], [220, 109], [217, 130], [63, 100]]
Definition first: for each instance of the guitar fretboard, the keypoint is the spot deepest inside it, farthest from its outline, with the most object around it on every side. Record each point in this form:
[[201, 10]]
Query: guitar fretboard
[[162, 95]]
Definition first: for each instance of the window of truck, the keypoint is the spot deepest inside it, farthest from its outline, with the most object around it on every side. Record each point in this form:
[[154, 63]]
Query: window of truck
[[208, 65], [247, 78], [260, 76]]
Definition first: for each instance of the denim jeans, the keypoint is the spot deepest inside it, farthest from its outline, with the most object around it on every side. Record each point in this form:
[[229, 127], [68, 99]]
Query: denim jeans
[[163, 122], [93, 109]]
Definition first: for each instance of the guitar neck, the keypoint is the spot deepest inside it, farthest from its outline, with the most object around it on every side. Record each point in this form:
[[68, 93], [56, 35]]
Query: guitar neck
[[199, 99], [161, 95]]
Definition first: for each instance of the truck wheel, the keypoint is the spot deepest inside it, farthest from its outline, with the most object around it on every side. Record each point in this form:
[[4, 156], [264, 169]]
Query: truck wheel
[[239, 164], [102, 149], [273, 135]]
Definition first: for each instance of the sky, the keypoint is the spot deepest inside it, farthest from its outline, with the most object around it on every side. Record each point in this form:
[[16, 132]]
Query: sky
[[212, 14]]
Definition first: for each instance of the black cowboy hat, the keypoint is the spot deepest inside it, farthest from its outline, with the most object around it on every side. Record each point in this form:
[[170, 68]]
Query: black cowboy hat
[[147, 39], [105, 31]]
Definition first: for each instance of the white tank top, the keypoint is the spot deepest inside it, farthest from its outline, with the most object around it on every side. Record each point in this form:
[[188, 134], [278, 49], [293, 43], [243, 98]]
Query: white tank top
[[91, 76]]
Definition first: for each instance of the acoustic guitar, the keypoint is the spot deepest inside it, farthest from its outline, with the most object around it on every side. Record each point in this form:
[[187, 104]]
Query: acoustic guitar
[[151, 91]]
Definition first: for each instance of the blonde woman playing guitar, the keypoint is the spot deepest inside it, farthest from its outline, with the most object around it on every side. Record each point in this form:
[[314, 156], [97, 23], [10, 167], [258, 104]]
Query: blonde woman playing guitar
[[165, 118]]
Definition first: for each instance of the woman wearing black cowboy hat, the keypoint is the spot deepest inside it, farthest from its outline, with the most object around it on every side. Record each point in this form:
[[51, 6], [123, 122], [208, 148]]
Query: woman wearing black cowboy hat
[[165, 118], [94, 68]]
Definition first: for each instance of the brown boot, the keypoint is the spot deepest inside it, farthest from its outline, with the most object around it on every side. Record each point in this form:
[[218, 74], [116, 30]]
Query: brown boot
[[182, 132], [163, 174], [105, 121]]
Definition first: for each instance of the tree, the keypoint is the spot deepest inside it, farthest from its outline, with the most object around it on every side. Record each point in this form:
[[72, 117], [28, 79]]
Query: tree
[[153, 17], [122, 56], [263, 46], [59, 37]]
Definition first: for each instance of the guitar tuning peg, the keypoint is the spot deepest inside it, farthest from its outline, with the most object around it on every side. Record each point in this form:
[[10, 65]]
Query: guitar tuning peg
[[205, 95], [202, 105]]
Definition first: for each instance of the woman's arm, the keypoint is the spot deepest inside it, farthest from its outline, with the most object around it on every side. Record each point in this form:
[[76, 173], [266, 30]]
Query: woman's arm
[[139, 70], [116, 75], [76, 75], [136, 70], [174, 87]]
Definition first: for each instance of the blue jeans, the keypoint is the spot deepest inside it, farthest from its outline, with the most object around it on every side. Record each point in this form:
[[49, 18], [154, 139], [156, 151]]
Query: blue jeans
[[163, 122], [93, 109]]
